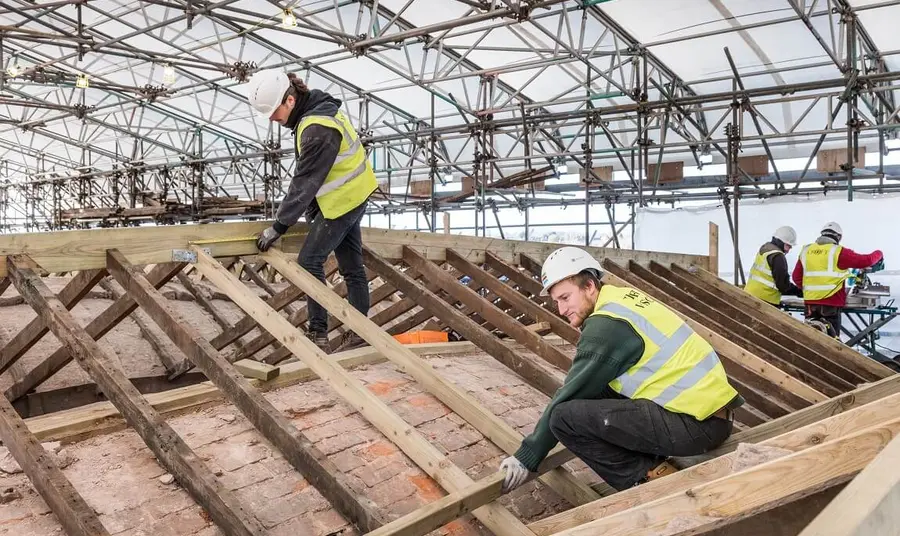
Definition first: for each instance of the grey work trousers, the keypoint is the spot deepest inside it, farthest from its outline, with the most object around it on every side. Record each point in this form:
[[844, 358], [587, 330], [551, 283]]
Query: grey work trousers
[[621, 439]]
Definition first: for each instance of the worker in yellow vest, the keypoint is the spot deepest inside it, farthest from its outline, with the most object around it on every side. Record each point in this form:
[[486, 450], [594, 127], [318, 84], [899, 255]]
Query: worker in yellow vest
[[769, 277], [332, 182], [821, 271], [643, 385]]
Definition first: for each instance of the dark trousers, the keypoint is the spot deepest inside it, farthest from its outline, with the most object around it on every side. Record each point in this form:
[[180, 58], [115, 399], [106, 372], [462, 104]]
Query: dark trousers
[[621, 439], [344, 237], [829, 314]]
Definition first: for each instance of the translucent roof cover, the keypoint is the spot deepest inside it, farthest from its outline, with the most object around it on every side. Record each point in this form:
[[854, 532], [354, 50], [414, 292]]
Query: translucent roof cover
[[99, 87]]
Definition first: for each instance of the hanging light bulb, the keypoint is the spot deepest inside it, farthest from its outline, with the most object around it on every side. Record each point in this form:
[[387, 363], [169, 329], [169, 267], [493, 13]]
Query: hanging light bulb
[[288, 20], [82, 81], [13, 69], [168, 75]]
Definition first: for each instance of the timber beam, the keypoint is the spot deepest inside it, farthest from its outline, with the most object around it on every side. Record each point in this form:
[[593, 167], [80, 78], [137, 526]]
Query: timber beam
[[73, 513], [97, 328], [407, 438], [491, 426], [172, 452], [533, 373], [271, 423]]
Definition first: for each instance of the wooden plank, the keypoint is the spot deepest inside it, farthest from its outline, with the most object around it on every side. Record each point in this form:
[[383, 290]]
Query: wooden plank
[[189, 469], [822, 410], [102, 417], [713, 248], [257, 370], [253, 274], [726, 500], [207, 306], [444, 510], [489, 311], [70, 295], [868, 506], [760, 332], [488, 424], [840, 425], [527, 368], [170, 360], [791, 328], [271, 423], [407, 438], [97, 328], [774, 380], [833, 160], [526, 284], [86, 249], [754, 165], [791, 363], [523, 304], [72, 512], [264, 339]]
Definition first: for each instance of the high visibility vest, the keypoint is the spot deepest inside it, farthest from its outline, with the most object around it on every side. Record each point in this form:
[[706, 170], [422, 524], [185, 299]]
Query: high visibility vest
[[351, 180], [678, 369], [762, 283], [821, 276]]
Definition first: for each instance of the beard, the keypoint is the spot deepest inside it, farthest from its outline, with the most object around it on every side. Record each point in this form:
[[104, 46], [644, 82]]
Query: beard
[[584, 311]]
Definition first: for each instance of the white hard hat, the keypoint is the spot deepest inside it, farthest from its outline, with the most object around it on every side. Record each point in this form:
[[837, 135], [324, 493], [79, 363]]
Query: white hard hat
[[266, 90], [786, 234], [833, 227], [566, 262]]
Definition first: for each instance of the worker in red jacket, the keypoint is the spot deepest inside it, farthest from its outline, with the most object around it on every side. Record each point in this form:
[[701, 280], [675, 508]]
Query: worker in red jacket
[[821, 271]]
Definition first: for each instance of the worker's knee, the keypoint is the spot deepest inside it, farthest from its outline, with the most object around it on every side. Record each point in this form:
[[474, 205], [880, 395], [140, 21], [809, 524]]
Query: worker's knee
[[564, 420]]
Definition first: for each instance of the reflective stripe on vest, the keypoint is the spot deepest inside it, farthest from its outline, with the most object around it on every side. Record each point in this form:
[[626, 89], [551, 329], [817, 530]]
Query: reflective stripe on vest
[[351, 179], [762, 283], [821, 276], [680, 371]]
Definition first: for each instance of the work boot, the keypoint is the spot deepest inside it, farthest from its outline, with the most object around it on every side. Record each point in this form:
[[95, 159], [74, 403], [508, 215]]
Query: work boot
[[320, 340], [661, 470], [349, 341]]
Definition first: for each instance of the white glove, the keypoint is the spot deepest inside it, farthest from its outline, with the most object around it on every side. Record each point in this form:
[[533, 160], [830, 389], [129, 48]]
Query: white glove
[[516, 473]]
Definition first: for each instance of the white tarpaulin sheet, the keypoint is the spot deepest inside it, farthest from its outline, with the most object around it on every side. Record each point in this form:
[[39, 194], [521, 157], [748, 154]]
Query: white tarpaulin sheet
[[869, 223]]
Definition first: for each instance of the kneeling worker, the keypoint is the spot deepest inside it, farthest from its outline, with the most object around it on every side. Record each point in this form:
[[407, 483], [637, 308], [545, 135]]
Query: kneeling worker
[[769, 277], [642, 387]]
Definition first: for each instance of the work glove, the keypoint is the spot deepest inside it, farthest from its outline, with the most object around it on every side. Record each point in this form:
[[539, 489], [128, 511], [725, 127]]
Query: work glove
[[266, 238], [516, 473], [878, 266]]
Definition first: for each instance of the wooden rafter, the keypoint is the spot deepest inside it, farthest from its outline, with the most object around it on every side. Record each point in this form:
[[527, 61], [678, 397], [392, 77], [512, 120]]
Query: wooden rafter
[[73, 513], [533, 373], [271, 423], [172, 452], [410, 441], [97, 328], [492, 427]]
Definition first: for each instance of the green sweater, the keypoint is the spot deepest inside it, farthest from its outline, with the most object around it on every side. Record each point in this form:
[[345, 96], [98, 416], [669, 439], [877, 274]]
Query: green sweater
[[607, 348]]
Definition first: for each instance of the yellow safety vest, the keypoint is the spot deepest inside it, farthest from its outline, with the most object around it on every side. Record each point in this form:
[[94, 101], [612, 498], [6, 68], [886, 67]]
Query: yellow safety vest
[[678, 369], [351, 180], [761, 283], [821, 276]]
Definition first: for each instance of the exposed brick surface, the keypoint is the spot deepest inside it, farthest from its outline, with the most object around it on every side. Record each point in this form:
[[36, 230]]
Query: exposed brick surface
[[119, 477]]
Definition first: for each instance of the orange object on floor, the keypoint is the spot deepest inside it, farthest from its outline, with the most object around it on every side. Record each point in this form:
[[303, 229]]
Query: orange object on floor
[[419, 337]]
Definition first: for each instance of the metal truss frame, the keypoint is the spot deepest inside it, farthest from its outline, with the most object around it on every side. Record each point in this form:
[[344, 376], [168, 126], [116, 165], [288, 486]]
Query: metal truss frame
[[618, 104]]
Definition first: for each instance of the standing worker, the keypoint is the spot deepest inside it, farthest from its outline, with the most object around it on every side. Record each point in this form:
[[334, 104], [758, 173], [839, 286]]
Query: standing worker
[[821, 271], [332, 181], [769, 278], [643, 385]]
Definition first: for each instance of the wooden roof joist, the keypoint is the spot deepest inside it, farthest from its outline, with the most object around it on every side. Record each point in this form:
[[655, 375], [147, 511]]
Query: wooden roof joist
[[416, 279]]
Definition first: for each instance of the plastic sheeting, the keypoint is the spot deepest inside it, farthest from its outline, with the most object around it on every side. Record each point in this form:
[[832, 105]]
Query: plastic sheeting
[[869, 223]]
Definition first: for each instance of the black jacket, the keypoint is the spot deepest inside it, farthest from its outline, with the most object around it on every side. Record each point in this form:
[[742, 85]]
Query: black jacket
[[779, 267], [320, 145]]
